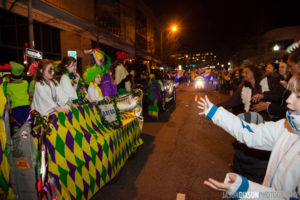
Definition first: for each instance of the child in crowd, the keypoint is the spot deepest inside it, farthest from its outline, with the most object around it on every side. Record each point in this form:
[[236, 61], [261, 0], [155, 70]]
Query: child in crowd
[[70, 81], [17, 91], [92, 76], [282, 179], [107, 85], [48, 95]]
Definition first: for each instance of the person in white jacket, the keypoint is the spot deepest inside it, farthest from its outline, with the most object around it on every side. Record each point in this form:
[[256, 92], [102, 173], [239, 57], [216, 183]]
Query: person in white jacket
[[282, 179], [48, 95], [68, 68]]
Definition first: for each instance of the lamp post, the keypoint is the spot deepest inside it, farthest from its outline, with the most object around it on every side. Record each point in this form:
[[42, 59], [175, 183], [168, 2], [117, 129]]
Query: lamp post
[[173, 29]]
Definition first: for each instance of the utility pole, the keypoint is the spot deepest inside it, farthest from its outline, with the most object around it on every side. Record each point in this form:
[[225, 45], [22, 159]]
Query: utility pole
[[30, 30], [161, 47], [30, 25]]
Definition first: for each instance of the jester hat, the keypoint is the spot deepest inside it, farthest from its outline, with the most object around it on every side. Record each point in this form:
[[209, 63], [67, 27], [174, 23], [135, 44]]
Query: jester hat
[[99, 54], [91, 72]]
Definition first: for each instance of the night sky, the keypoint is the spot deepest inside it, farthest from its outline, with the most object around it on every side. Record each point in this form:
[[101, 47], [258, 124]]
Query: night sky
[[223, 26]]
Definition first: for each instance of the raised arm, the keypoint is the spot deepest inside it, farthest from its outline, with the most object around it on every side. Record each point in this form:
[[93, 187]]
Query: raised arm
[[262, 136]]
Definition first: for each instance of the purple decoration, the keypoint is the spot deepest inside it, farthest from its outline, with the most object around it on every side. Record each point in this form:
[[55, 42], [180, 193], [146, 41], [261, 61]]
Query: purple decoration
[[70, 141], [98, 178], [127, 149], [100, 152], [108, 88], [87, 165], [104, 125], [81, 110], [96, 128], [109, 170], [127, 130], [91, 107], [55, 120], [51, 150], [116, 161], [72, 197], [118, 138], [123, 154], [111, 145], [87, 135], [69, 116], [86, 189], [72, 169], [87, 158]]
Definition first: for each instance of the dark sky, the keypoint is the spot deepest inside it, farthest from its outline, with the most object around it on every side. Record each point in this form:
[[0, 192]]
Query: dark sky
[[223, 26]]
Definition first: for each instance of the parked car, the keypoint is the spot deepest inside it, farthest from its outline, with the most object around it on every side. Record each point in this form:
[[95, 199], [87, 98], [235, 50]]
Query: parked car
[[168, 93]]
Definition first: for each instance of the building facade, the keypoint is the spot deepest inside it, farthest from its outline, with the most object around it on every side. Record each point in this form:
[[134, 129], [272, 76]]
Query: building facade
[[267, 48], [63, 25], [197, 60]]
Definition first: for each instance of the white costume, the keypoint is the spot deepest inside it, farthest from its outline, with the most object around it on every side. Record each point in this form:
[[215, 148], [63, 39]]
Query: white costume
[[282, 179], [67, 87], [45, 98], [94, 94], [121, 74]]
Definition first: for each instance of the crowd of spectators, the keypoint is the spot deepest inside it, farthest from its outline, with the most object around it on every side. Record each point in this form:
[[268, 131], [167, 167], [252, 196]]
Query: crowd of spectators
[[260, 91]]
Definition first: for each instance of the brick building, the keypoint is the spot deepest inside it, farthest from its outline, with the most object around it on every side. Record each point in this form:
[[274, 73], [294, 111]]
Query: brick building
[[62, 25]]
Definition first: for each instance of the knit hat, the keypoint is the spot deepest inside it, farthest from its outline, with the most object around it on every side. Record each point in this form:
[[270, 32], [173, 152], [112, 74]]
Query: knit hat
[[16, 70], [91, 73]]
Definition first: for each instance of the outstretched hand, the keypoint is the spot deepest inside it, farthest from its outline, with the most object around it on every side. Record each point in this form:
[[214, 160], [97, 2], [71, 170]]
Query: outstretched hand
[[87, 51], [204, 105], [223, 187]]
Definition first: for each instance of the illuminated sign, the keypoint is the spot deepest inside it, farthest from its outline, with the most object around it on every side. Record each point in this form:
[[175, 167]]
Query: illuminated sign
[[72, 54], [34, 53]]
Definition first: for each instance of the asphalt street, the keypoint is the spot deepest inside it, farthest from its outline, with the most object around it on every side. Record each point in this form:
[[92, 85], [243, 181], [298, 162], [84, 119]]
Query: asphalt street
[[180, 151]]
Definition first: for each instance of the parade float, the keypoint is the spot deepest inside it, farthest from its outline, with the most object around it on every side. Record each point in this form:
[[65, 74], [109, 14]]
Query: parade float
[[68, 156]]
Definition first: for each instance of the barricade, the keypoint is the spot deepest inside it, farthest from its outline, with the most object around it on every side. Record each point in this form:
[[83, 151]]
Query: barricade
[[76, 153]]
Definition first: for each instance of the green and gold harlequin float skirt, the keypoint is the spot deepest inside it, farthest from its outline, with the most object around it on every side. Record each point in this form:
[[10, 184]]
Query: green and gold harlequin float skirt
[[85, 153]]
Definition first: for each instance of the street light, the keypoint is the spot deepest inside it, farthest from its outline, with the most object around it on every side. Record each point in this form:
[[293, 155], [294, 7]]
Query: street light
[[276, 47], [173, 29]]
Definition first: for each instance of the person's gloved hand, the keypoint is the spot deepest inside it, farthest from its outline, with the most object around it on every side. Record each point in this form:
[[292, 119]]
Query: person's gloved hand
[[204, 104]]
